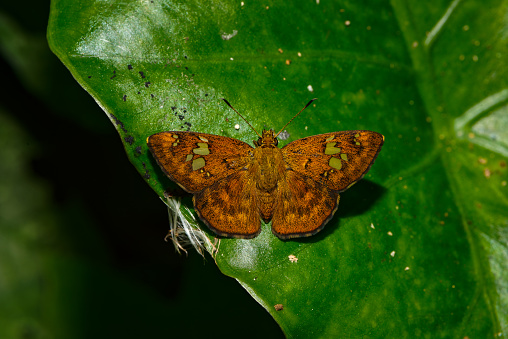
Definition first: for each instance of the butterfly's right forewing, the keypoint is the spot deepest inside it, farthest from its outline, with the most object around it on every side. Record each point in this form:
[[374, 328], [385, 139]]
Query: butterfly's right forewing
[[198, 160]]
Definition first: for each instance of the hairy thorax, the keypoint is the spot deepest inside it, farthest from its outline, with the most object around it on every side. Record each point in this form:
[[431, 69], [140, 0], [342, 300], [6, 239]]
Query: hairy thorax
[[270, 166]]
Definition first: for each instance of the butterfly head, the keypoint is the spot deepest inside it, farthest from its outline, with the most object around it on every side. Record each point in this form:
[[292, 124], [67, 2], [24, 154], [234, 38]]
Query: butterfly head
[[267, 139]]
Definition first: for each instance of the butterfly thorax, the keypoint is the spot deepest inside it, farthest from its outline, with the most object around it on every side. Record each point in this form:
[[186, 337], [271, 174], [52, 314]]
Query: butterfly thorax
[[267, 162]]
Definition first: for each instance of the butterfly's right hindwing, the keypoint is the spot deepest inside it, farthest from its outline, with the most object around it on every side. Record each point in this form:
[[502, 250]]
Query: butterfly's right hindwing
[[230, 206], [197, 160]]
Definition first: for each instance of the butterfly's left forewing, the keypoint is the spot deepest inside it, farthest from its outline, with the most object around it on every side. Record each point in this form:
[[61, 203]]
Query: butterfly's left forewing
[[198, 160], [336, 160]]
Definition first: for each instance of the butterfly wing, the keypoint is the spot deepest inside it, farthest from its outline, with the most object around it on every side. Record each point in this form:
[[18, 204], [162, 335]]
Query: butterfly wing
[[197, 160], [303, 206], [336, 160], [229, 207]]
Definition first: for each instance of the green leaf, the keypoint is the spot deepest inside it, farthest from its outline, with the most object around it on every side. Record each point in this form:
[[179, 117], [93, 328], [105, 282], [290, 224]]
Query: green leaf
[[419, 246]]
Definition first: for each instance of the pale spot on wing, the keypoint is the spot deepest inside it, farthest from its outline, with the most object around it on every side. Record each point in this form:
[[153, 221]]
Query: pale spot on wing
[[331, 149], [202, 149], [335, 163], [198, 163], [357, 135]]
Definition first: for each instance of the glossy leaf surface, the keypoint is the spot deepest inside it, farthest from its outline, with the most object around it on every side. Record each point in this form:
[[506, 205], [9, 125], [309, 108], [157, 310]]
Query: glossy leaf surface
[[419, 246]]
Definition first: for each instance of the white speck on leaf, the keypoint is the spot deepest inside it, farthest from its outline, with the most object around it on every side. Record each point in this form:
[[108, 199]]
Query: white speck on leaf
[[227, 36]]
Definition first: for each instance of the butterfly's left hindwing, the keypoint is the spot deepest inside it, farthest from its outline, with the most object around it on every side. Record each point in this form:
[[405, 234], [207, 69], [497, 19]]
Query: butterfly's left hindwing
[[198, 160], [336, 160], [304, 206]]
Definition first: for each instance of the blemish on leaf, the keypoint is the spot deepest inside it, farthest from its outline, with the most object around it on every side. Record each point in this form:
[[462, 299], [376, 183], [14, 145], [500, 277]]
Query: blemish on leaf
[[226, 36], [129, 139], [146, 175], [118, 122], [284, 135]]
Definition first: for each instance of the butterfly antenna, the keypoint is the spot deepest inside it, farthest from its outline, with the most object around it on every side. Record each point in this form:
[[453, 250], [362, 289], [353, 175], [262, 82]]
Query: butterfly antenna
[[240, 116], [310, 102]]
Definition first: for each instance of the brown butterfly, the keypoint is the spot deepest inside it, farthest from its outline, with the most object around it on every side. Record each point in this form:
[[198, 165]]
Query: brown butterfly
[[235, 186]]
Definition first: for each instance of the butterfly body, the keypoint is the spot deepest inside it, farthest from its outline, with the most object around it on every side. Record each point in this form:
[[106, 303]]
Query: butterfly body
[[267, 169], [295, 187]]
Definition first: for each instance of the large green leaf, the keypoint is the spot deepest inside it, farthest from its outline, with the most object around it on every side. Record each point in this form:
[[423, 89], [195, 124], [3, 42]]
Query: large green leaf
[[418, 247]]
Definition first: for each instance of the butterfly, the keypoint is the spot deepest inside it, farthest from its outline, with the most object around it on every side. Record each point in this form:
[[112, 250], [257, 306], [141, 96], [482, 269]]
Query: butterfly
[[235, 185]]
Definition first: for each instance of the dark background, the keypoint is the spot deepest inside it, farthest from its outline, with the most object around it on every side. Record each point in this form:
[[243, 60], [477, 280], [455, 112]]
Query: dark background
[[102, 267]]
